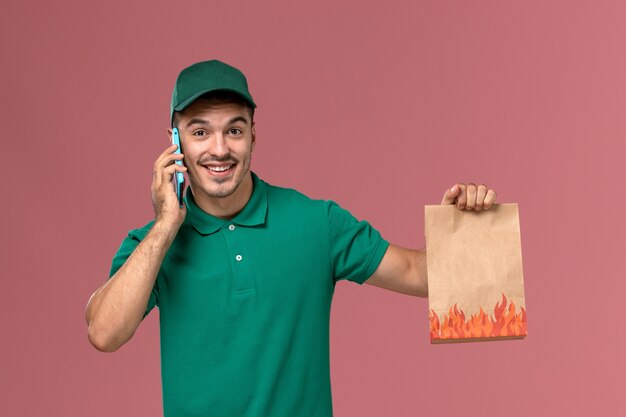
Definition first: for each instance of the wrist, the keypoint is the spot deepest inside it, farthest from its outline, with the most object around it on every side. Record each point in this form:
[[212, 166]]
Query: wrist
[[165, 229]]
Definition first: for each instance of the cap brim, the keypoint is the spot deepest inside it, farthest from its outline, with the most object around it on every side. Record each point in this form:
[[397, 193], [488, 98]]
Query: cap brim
[[193, 98]]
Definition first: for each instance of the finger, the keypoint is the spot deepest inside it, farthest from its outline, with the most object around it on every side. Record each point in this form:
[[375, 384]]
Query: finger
[[166, 159], [163, 161], [480, 197], [462, 198], [471, 196], [170, 159], [158, 165], [490, 198], [450, 195], [168, 174], [167, 153], [165, 179]]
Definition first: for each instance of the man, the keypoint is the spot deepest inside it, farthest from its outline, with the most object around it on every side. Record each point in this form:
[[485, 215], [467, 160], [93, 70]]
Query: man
[[245, 271]]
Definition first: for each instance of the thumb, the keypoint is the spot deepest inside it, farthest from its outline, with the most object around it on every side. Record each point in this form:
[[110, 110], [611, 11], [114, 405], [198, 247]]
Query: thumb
[[451, 194]]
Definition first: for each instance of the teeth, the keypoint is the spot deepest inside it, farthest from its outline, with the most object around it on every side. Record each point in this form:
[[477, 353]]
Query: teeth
[[220, 169]]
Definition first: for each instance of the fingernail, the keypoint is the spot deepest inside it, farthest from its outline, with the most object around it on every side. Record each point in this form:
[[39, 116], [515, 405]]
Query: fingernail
[[453, 189]]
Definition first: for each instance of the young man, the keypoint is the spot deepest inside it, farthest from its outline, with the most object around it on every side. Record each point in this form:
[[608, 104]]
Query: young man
[[245, 271]]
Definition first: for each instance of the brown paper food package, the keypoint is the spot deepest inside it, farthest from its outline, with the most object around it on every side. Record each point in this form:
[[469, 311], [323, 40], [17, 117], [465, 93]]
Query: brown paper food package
[[475, 277]]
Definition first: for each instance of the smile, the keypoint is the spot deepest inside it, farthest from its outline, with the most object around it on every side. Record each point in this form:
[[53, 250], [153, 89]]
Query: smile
[[221, 170]]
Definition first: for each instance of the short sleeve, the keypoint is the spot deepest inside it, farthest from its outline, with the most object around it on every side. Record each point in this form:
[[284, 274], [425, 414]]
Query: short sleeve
[[356, 248], [130, 242]]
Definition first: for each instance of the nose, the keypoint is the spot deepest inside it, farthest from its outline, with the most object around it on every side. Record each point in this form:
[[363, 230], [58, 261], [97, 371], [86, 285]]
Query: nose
[[219, 146]]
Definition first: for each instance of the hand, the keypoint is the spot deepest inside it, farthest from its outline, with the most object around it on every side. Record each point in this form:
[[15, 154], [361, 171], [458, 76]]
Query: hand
[[470, 197], [164, 200]]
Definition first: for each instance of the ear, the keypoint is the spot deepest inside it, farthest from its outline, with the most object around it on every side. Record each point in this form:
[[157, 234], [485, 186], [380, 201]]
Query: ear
[[253, 137], [169, 133]]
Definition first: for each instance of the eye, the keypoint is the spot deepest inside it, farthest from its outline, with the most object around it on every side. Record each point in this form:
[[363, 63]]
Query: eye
[[235, 131], [199, 133]]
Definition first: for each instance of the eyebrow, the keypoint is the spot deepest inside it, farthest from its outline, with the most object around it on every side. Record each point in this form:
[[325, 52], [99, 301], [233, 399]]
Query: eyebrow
[[197, 121]]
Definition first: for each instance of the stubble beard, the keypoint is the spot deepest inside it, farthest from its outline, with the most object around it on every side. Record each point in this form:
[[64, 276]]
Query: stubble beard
[[225, 192]]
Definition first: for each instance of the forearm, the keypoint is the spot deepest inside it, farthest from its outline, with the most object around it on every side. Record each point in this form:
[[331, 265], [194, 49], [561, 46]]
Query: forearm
[[420, 273], [116, 309]]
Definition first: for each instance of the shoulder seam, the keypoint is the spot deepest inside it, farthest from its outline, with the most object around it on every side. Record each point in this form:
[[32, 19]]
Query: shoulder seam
[[141, 232]]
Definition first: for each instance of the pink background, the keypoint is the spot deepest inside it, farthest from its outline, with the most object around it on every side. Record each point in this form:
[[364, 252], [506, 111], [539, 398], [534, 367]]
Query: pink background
[[379, 106]]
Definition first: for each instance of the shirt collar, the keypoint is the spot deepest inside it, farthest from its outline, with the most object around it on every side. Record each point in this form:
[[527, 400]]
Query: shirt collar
[[253, 213]]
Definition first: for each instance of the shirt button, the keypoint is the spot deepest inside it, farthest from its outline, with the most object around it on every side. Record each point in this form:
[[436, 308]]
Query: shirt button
[[238, 257], [231, 227]]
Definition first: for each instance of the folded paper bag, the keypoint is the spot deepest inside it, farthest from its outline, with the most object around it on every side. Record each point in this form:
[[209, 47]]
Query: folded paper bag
[[475, 276]]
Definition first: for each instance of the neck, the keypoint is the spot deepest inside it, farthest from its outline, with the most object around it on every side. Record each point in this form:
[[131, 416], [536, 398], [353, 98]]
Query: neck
[[225, 207]]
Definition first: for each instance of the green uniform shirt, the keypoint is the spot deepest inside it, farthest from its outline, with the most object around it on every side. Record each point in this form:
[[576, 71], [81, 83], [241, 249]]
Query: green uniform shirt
[[245, 303]]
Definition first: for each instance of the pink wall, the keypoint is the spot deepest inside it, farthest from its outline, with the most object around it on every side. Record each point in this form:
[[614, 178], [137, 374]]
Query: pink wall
[[380, 107]]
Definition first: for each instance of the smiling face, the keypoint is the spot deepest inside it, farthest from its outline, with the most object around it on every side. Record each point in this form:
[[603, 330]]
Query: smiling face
[[217, 139]]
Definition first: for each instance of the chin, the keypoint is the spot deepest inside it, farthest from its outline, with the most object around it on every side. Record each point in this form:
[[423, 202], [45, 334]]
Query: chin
[[221, 192], [225, 188]]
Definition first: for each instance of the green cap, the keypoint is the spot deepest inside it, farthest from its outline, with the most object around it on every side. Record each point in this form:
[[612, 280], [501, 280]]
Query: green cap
[[206, 76]]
